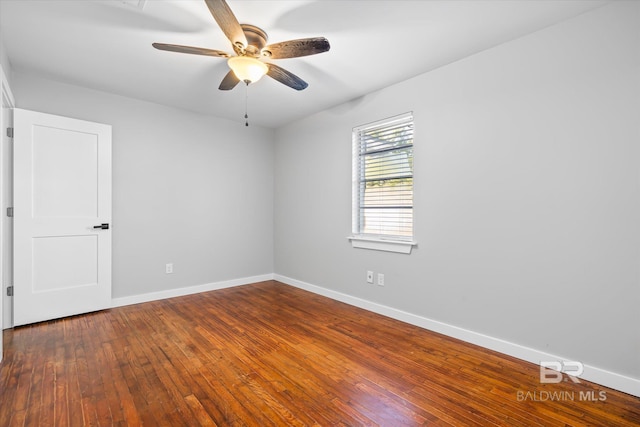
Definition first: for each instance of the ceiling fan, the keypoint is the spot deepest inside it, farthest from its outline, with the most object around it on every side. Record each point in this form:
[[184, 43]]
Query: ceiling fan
[[250, 45]]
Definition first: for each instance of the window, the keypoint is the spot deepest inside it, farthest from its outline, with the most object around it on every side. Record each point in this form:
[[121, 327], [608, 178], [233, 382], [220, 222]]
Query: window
[[383, 185]]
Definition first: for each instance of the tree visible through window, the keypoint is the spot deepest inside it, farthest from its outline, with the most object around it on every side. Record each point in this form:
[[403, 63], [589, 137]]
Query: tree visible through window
[[383, 178]]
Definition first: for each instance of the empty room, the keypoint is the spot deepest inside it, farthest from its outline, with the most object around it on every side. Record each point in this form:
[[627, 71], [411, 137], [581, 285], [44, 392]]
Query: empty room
[[320, 213]]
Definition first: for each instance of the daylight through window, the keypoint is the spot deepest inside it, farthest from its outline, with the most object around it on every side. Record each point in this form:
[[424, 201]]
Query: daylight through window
[[383, 178]]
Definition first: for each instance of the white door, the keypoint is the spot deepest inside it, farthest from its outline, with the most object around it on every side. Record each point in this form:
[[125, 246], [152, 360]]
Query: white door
[[62, 192]]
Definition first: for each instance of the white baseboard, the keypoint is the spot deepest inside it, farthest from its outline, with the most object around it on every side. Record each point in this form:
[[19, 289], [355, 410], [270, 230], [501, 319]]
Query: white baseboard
[[171, 293], [591, 373]]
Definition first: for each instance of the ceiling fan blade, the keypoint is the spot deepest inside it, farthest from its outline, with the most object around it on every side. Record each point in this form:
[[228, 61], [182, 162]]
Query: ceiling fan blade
[[190, 49], [227, 21], [229, 82], [296, 48], [286, 77]]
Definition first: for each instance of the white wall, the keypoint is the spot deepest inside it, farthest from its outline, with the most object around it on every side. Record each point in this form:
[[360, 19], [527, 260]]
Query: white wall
[[527, 194], [4, 59], [188, 189]]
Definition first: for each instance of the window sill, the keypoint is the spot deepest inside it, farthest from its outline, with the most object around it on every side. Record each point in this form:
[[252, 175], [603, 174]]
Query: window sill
[[380, 244]]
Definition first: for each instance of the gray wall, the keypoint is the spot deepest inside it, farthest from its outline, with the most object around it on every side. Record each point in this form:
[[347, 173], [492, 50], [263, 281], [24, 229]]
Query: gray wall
[[4, 59], [526, 193], [188, 189]]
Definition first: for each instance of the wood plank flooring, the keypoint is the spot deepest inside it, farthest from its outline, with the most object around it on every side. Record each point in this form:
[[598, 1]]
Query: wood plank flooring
[[269, 354]]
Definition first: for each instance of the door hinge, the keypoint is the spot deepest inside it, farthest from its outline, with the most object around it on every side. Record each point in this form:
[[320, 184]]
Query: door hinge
[[9, 291], [10, 132], [10, 212]]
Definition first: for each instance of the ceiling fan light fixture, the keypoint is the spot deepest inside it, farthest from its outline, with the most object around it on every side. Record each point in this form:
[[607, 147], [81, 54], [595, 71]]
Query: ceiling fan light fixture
[[247, 68]]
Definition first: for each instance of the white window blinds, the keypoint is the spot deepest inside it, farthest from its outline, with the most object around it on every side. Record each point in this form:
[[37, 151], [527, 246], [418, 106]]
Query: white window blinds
[[383, 178]]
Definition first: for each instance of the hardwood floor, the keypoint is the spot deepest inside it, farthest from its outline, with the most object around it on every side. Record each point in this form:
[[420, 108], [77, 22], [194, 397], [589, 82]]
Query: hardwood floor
[[269, 354]]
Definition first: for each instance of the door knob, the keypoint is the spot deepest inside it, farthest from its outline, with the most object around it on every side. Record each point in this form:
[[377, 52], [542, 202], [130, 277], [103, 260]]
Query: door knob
[[102, 226]]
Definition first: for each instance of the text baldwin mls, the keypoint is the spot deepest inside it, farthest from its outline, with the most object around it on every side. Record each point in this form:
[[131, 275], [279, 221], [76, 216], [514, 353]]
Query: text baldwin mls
[[550, 396]]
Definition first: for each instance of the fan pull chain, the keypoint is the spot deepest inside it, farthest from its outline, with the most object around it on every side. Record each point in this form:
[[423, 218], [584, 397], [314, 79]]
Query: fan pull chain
[[246, 104]]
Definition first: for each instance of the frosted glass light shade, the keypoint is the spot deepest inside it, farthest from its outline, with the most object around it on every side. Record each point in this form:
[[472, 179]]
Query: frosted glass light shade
[[247, 68]]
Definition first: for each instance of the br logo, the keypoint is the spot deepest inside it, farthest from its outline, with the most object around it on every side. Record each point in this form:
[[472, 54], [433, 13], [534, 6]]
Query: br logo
[[551, 371]]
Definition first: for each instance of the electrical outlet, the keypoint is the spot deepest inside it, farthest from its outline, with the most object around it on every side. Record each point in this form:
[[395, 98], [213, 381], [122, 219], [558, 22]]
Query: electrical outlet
[[380, 279], [169, 268], [370, 277]]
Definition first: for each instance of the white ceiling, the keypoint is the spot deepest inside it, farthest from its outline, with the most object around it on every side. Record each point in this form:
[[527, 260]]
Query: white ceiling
[[106, 45]]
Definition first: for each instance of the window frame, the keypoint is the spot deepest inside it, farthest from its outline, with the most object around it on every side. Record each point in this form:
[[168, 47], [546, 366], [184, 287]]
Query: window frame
[[383, 242]]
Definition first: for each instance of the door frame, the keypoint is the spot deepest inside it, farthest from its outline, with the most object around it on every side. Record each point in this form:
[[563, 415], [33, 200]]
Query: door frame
[[8, 101]]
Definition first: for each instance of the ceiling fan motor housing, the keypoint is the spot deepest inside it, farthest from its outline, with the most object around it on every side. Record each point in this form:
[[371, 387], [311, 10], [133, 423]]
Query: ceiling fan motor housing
[[256, 40]]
